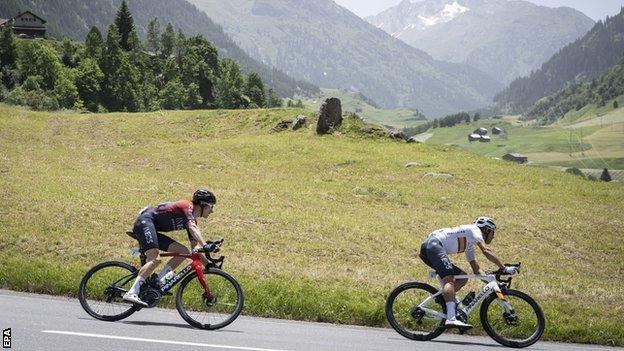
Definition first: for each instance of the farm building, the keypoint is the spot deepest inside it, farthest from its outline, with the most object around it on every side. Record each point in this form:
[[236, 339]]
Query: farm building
[[474, 137], [485, 139], [480, 131], [496, 130], [518, 158], [26, 25]]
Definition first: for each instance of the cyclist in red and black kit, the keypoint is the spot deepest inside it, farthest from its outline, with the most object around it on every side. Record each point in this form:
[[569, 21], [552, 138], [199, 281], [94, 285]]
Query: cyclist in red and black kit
[[166, 217]]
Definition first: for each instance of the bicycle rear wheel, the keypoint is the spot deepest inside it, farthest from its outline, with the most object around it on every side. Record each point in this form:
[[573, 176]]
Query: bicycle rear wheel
[[521, 327], [200, 313], [101, 290], [408, 319]]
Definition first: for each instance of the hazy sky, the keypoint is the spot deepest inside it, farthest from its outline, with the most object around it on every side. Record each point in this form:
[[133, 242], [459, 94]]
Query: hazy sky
[[596, 9]]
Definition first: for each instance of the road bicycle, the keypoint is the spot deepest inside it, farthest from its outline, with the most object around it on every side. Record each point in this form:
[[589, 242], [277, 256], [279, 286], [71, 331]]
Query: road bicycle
[[512, 318], [208, 298]]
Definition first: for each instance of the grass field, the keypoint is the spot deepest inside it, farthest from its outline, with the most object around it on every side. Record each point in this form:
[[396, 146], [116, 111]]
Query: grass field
[[316, 228], [351, 102], [592, 143]]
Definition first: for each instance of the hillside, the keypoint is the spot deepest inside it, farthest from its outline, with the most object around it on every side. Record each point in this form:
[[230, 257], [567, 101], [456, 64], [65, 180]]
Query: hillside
[[331, 47], [74, 18], [589, 139], [584, 59], [600, 92], [505, 39], [316, 228], [367, 110]]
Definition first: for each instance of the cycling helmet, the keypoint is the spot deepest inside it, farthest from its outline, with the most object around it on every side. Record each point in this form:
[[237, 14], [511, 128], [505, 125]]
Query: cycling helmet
[[485, 223], [203, 195]]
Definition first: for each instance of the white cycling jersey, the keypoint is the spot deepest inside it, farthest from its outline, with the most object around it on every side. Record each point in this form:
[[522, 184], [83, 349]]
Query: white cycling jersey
[[459, 239]]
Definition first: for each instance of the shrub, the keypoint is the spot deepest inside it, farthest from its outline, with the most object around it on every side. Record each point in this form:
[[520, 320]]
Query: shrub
[[605, 176], [575, 171]]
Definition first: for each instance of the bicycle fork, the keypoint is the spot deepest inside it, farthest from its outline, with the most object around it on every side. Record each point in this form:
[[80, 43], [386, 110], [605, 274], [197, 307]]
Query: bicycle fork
[[199, 269]]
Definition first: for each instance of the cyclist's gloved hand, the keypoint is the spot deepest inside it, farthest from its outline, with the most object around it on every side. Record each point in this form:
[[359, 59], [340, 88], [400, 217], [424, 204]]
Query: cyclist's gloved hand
[[211, 247], [510, 269]]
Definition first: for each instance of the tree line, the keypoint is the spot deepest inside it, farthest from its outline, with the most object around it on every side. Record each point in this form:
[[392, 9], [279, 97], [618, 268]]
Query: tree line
[[121, 73], [575, 96], [586, 58]]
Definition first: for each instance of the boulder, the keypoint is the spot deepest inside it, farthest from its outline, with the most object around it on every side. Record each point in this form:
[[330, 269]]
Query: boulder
[[299, 122], [397, 134], [281, 126], [330, 115]]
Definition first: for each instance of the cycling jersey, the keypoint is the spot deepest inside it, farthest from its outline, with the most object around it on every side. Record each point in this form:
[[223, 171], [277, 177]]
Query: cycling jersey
[[459, 239], [165, 217]]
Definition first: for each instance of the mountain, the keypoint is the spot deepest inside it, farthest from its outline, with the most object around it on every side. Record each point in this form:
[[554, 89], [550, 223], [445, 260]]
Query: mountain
[[586, 58], [74, 18], [506, 39], [326, 44], [598, 91]]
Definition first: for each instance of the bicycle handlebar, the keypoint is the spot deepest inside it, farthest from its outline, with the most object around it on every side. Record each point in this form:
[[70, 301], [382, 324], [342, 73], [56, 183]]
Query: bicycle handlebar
[[499, 272], [216, 262]]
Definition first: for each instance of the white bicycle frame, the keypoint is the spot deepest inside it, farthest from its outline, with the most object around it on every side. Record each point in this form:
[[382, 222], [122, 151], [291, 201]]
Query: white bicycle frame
[[491, 286]]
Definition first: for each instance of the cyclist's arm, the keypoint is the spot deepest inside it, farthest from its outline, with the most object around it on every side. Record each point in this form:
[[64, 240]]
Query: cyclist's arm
[[489, 254], [475, 267], [195, 234]]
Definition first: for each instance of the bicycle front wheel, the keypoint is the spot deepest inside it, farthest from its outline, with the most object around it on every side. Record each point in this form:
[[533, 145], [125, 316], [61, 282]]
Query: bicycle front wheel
[[101, 290], [410, 316], [519, 327], [196, 310]]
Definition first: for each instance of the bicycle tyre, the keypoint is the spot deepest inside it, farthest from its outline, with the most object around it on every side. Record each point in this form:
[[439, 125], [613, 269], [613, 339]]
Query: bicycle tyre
[[392, 318], [214, 277], [87, 300], [504, 340]]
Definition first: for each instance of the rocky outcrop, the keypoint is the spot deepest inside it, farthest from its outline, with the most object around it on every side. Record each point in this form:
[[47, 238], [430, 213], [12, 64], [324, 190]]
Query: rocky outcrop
[[330, 116]]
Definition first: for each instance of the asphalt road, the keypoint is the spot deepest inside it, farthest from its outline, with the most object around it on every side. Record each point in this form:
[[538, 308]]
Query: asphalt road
[[41, 322]]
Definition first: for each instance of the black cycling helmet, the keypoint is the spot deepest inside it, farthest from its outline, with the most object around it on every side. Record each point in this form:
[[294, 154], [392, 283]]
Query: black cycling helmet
[[203, 195]]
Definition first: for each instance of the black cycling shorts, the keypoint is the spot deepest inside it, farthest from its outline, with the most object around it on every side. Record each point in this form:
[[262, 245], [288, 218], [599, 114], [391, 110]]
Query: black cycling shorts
[[148, 237], [434, 256]]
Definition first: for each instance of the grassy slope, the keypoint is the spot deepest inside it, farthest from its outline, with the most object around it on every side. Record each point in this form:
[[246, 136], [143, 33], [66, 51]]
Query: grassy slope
[[589, 140], [317, 228], [399, 118]]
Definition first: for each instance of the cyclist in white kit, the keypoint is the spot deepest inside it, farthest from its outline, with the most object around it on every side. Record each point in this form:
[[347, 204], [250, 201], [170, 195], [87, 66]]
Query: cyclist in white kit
[[442, 242]]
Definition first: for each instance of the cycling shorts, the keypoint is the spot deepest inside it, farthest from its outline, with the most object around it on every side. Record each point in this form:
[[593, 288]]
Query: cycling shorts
[[433, 254]]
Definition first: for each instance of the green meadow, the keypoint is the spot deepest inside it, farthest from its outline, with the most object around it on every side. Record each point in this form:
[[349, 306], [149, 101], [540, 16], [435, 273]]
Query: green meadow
[[352, 102], [317, 228]]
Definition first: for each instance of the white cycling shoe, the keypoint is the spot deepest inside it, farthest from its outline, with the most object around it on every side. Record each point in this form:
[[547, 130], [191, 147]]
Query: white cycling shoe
[[456, 323], [134, 298]]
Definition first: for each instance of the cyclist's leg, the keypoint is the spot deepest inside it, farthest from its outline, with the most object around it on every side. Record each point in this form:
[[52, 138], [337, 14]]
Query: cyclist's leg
[[173, 246], [438, 258]]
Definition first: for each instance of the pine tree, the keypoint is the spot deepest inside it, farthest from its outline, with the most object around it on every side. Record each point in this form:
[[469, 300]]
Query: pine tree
[[153, 36], [605, 176], [8, 48], [274, 100], [125, 26], [168, 41], [255, 89], [615, 104], [94, 44]]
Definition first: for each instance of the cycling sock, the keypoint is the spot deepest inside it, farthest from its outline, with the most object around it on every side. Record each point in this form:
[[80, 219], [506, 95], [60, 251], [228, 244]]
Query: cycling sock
[[450, 310], [137, 285], [164, 272]]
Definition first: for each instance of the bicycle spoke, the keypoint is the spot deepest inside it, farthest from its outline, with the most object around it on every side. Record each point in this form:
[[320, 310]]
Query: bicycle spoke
[[99, 295], [200, 312], [519, 326], [410, 317]]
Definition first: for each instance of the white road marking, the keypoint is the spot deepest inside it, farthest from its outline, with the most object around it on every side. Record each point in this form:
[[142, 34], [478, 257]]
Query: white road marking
[[158, 341]]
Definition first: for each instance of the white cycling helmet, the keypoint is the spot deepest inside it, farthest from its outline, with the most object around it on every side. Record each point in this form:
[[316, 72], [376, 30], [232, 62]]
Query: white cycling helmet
[[485, 222]]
